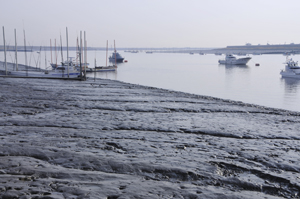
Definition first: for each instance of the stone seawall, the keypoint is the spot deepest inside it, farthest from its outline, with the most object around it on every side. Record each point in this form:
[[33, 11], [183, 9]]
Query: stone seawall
[[109, 139]]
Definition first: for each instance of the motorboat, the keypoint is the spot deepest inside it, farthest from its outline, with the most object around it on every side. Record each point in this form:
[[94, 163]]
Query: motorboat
[[292, 69], [116, 57], [70, 63], [230, 59]]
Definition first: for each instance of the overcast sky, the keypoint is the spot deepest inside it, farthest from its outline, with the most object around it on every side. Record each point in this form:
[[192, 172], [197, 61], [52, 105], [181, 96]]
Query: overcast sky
[[153, 23]]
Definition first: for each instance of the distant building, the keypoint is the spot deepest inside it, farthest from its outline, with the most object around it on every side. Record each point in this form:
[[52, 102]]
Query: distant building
[[262, 49]]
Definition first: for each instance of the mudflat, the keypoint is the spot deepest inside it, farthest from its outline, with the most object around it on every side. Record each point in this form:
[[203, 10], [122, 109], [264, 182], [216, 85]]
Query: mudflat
[[110, 139]]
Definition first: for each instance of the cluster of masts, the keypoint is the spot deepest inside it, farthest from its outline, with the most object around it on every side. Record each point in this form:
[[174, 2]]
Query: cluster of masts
[[81, 53]]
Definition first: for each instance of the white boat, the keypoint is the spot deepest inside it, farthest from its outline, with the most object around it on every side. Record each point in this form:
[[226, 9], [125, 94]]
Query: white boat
[[292, 69], [66, 70], [70, 62], [230, 59]]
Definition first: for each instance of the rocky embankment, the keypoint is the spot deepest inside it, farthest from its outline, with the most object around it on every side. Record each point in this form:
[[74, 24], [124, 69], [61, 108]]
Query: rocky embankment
[[108, 139]]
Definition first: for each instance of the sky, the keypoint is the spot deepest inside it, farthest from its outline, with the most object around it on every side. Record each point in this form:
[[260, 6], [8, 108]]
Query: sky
[[152, 23]]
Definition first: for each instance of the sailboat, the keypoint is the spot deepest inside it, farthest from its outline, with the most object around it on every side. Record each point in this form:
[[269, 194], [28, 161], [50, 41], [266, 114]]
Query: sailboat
[[106, 68]]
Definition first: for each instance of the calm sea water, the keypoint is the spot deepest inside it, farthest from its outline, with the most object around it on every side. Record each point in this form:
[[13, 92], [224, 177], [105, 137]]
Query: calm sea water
[[200, 74]]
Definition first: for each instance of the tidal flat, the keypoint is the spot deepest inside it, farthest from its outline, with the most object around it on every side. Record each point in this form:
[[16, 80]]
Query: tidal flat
[[115, 140]]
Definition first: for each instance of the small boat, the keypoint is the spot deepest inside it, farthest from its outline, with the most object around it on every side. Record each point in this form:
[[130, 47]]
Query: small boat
[[292, 69], [116, 57], [230, 59], [105, 68], [70, 62]]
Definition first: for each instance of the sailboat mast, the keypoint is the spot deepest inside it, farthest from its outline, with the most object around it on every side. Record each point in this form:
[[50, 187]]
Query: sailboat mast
[[25, 54], [85, 55], [40, 57], [115, 53], [4, 51], [61, 51], [51, 51], [45, 60], [67, 52], [77, 52], [95, 71], [80, 55], [16, 50], [106, 51], [55, 54]]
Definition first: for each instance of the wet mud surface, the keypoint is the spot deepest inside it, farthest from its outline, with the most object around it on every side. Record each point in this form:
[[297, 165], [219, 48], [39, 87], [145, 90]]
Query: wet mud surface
[[108, 139]]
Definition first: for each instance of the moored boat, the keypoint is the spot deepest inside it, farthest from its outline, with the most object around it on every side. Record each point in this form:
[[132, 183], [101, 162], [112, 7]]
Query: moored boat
[[292, 69], [116, 57], [60, 72], [66, 70], [105, 68], [230, 59]]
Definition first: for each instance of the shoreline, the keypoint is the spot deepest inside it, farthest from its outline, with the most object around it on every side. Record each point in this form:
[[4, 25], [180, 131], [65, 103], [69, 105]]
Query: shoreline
[[110, 139]]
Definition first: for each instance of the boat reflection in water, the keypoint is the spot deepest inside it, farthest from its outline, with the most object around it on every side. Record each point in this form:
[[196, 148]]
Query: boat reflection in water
[[291, 85]]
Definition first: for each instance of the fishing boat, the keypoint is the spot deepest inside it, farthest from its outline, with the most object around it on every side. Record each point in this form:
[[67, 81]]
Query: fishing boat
[[230, 59], [59, 72], [292, 69], [116, 57]]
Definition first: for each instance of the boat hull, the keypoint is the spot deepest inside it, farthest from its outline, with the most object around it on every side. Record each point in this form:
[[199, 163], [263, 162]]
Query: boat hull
[[46, 74], [118, 60], [290, 74], [241, 61]]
